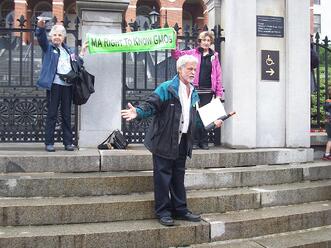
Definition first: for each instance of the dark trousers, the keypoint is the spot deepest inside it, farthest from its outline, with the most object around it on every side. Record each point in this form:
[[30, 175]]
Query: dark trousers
[[59, 95], [200, 133], [169, 189]]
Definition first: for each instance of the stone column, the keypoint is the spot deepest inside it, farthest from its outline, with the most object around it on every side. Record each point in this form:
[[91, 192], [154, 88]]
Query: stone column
[[101, 114], [21, 8], [239, 66], [213, 12], [297, 73], [130, 14], [58, 10]]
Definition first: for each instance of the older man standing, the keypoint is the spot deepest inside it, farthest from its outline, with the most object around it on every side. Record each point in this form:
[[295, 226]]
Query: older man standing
[[169, 138]]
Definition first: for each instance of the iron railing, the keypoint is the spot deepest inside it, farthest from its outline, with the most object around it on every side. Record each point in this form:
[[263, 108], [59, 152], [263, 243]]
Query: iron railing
[[23, 106], [322, 80]]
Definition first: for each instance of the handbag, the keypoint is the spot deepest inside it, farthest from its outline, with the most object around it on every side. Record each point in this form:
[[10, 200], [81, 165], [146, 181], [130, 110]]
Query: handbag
[[115, 140], [83, 87]]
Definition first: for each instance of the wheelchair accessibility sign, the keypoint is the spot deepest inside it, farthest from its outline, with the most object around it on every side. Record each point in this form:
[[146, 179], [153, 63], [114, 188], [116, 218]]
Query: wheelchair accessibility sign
[[269, 65]]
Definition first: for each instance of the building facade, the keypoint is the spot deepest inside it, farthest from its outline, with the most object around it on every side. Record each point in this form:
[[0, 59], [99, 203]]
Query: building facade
[[320, 17], [183, 12]]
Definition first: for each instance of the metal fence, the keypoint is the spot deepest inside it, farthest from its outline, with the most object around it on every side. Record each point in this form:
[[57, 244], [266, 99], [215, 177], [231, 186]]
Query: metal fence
[[144, 71], [322, 82], [23, 106]]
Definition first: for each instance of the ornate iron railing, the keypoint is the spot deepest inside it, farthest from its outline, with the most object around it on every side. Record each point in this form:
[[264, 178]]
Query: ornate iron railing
[[322, 82], [23, 106]]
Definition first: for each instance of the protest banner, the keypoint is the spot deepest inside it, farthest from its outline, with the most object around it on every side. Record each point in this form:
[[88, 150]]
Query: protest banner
[[140, 41]]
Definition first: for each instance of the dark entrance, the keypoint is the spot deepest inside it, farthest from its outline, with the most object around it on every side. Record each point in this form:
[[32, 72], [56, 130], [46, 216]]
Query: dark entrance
[[143, 72], [23, 106]]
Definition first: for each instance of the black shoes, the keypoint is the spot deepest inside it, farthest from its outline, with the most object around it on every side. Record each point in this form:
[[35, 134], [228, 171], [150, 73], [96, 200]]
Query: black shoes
[[195, 147], [204, 146], [200, 146], [167, 221], [189, 217], [69, 148]]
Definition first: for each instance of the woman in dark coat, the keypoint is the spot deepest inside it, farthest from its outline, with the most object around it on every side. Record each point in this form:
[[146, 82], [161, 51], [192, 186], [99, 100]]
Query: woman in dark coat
[[57, 59]]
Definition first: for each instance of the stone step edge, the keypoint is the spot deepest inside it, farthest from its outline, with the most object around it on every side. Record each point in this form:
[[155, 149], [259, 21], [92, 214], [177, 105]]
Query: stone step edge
[[98, 174], [281, 218], [92, 228], [148, 196], [294, 239]]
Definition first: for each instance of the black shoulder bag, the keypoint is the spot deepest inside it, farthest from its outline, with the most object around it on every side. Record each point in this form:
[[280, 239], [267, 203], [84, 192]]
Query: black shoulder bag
[[115, 140]]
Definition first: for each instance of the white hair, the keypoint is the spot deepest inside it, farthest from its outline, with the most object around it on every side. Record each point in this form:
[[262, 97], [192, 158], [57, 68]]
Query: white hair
[[58, 29], [183, 60]]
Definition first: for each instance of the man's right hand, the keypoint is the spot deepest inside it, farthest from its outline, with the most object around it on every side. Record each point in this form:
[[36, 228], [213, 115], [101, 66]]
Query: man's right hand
[[129, 114]]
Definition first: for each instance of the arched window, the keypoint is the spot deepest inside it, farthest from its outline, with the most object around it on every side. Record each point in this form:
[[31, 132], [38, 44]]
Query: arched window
[[6, 10], [71, 10], [187, 19], [142, 16], [193, 11], [43, 8]]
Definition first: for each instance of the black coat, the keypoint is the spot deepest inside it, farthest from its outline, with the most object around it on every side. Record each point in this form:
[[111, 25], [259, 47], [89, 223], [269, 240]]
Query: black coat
[[162, 138]]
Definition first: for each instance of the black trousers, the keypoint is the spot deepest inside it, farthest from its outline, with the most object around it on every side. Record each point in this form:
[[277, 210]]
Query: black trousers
[[169, 189], [200, 133], [59, 95]]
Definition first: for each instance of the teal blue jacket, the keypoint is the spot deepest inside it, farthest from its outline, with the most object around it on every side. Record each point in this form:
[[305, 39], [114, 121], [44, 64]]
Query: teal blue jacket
[[164, 106]]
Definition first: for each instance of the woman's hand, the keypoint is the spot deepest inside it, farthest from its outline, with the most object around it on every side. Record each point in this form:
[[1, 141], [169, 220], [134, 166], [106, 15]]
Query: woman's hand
[[41, 23], [84, 49]]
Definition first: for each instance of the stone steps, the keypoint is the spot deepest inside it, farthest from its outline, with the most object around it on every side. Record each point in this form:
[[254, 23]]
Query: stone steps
[[123, 234], [136, 158], [114, 183], [309, 238], [148, 233], [270, 220], [91, 198], [67, 210]]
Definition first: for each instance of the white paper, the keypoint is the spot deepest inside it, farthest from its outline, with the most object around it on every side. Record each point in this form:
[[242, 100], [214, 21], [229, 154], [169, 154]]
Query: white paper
[[211, 112], [44, 18]]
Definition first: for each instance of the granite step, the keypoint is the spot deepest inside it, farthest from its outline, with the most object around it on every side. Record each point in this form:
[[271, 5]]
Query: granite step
[[215, 157], [319, 237], [113, 183], [269, 220], [137, 158], [65, 210], [123, 234]]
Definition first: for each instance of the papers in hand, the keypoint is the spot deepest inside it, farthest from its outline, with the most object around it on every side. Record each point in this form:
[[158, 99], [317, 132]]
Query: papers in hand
[[211, 112], [44, 18]]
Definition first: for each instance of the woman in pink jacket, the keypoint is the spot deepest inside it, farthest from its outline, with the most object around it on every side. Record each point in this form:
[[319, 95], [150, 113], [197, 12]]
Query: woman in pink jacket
[[208, 79]]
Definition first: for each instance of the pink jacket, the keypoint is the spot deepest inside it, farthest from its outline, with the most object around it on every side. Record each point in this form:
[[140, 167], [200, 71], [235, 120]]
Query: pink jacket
[[216, 71]]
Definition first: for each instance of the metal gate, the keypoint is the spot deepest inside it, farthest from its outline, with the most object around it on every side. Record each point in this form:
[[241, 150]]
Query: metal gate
[[322, 80], [23, 106], [144, 71]]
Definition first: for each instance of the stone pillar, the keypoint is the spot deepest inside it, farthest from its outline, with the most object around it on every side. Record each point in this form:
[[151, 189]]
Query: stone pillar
[[58, 10], [101, 114], [239, 66], [213, 12], [21, 8], [130, 14], [297, 74], [269, 113]]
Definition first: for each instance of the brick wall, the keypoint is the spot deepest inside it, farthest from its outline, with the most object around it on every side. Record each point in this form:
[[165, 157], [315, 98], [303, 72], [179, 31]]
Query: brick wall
[[58, 10]]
